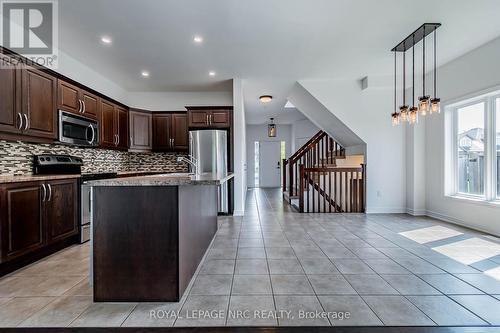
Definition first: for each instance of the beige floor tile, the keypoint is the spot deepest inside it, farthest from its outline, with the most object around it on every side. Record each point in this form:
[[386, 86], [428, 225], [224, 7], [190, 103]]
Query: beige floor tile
[[59, 313], [104, 315], [20, 308], [81, 289], [153, 315], [57, 267], [37, 285]]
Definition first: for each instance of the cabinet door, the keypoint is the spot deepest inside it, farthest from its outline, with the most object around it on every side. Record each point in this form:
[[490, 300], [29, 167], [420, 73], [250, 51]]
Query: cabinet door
[[106, 125], [39, 92], [22, 224], [220, 118], [10, 110], [121, 118], [162, 124], [198, 118], [68, 97], [140, 129], [61, 209], [180, 132], [90, 104]]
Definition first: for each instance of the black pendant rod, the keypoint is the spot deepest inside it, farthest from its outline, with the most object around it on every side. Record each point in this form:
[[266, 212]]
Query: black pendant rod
[[395, 84], [423, 65], [435, 66], [404, 78], [413, 75], [416, 36]]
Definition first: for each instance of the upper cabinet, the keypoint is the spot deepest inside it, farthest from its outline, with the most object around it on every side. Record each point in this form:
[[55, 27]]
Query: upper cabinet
[[28, 103], [113, 125], [209, 117], [76, 100], [140, 131], [39, 112], [170, 132]]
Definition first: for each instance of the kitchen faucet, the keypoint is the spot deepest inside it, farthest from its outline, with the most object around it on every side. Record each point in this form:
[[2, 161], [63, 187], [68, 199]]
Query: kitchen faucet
[[190, 161]]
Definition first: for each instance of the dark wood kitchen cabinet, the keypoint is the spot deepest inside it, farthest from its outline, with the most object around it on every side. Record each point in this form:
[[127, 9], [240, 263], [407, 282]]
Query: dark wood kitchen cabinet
[[37, 218], [209, 116], [170, 132], [61, 209], [22, 224], [113, 126], [39, 91], [140, 131], [76, 100], [10, 103]]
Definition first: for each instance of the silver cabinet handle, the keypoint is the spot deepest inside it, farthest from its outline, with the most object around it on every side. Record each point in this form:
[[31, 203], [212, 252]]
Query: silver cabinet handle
[[117, 139], [207, 118], [27, 122], [84, 107], [44, 192], [173, 143], [20, 121], [50, 192], [211, 119], [79, 105]]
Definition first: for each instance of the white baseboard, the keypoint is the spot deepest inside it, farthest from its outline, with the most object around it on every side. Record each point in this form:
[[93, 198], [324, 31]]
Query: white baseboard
[[459, 222], [416, 212], [385, 210], [238, 213]]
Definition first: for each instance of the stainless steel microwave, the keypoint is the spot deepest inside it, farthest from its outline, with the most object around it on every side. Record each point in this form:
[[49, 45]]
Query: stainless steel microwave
[[77, 130]]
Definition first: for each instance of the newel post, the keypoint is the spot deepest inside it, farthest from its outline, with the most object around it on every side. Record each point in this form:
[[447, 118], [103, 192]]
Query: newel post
[[301, 188]]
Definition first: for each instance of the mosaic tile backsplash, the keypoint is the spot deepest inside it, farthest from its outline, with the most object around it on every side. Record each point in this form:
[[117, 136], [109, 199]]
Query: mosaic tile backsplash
[[16, 158]]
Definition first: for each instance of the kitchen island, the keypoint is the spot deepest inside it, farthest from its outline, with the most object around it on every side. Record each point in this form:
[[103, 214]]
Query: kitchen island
[[150, 234]]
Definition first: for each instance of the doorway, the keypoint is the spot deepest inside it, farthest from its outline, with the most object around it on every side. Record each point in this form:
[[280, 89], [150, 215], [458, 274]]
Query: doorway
[[269, 163]]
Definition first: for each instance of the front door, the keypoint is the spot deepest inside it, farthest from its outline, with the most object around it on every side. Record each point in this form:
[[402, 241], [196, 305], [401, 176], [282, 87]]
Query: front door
[[269, 164]]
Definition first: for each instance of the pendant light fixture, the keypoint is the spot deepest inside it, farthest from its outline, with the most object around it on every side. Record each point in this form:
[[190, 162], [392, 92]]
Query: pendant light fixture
[[271, 129], [424, 100], [396, 117], [403, 109], [435, 102], [413, 115], [425, 104]]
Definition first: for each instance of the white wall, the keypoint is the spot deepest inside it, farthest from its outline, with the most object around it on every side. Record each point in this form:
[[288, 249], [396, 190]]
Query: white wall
[[302, 131], [474, 72], [176, 101], [367, 114], [259, 133], [240, 154]]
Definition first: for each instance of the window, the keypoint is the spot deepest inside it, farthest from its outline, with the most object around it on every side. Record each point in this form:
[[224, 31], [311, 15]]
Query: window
[[470, 146], [473, 148], [497, 133]]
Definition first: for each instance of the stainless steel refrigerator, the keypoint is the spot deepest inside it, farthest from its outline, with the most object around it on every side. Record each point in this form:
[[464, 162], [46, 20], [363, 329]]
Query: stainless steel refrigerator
[[209, 151]]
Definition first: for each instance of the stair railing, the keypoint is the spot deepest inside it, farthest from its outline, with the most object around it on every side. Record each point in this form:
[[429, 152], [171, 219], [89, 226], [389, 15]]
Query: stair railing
[[332, 189], [320, 151]]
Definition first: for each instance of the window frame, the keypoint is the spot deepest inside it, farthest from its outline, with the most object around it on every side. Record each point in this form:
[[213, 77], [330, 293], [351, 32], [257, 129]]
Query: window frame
[[451, 148]]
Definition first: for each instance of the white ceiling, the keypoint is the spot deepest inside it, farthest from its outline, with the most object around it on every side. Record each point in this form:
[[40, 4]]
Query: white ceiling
[[269, 43]]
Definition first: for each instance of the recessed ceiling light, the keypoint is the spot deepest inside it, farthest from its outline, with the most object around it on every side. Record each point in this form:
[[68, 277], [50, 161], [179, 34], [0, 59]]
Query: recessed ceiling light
[[266, 98], [145, 73], [211, 73], [197, 39], [106, 40]]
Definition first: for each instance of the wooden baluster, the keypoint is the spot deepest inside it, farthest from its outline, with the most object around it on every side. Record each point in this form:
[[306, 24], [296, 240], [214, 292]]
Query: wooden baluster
[[290, 177], [346, 193], [341, 192], [301, 189], [283, 170], [307, 190], [313, 201]]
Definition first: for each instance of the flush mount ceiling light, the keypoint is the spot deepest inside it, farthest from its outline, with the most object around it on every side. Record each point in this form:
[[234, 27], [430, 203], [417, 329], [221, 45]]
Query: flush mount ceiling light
[[106, 40], [197, 39], [266, 98], [145, 74], [425, 104], [211, 73]]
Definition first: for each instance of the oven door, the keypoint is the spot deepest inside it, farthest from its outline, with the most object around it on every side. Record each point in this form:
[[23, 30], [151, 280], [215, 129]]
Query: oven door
[[77, 130]]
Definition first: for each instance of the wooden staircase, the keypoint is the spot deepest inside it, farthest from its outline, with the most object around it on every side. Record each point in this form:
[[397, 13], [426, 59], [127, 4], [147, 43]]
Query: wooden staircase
[[312, 181]]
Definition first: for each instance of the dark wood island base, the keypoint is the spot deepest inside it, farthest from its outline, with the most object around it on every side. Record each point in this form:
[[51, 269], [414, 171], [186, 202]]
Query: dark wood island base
[[149, 240]]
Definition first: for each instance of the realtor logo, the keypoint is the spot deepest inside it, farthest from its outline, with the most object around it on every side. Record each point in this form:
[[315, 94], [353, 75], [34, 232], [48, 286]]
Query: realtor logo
[[29, 28]]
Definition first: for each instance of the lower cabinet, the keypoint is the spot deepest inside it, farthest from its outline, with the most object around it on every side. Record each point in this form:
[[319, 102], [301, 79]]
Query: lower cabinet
[[35, 215]]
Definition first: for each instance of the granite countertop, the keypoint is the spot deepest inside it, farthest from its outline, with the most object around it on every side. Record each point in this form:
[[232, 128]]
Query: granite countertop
[[33, 178], [167, 179]]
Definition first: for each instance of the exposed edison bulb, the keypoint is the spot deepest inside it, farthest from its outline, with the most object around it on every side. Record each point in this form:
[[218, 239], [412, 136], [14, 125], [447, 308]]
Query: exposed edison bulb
[[413, 115], [423, 105], [403, 111], [436, 105], [395, 118]]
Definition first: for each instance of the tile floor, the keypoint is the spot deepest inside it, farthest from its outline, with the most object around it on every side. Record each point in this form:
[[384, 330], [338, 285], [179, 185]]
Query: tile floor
[[277, 267]]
